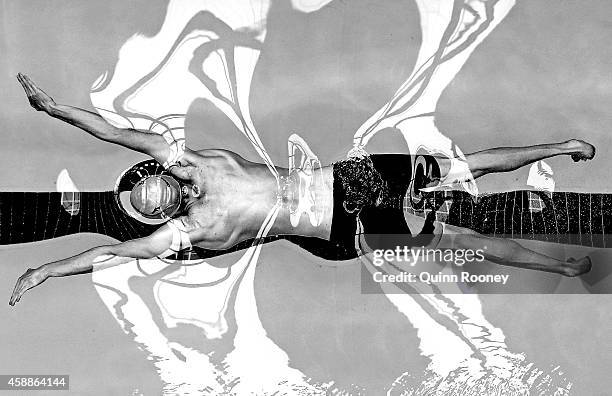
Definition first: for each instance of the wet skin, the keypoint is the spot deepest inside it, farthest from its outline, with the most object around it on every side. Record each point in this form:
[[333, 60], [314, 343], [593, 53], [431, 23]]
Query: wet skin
[[236, 196]]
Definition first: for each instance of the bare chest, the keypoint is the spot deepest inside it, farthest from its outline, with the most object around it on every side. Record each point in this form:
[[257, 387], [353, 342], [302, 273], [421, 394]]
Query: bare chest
[[230, 205]]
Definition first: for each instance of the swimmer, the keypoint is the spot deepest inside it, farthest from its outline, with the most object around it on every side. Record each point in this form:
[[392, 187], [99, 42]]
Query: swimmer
[[215, 199]]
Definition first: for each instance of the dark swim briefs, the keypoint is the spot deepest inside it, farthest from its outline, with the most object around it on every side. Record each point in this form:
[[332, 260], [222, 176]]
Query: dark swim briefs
[[371, 190]]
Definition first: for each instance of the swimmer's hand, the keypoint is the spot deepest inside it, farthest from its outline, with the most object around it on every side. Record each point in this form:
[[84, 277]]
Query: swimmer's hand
[[37, 97], [31, 278]]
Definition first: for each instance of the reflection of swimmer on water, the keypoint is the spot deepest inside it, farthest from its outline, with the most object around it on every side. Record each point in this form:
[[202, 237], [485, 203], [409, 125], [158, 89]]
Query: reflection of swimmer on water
[[216, 199]]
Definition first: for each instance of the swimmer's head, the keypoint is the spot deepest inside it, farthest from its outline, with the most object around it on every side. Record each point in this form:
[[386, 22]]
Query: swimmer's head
[[157, 197]]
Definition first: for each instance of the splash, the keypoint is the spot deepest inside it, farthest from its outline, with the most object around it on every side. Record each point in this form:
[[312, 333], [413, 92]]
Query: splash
[[209, 49], [468, 355], [305, 168], [541, 177], [525, 380], [71, 197], [203, 50]]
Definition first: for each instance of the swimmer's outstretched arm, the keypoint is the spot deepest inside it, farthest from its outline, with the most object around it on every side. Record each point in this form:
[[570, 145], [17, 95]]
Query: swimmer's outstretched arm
[[98, 258], [144, 142]]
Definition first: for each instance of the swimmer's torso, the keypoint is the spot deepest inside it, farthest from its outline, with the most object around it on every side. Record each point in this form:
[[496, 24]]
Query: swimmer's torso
[[237, 195]]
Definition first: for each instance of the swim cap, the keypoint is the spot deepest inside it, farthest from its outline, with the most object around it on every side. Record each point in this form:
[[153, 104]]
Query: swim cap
[[156, 197]]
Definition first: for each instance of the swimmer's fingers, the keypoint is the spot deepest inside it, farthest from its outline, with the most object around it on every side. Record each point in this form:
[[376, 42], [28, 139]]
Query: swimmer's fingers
[[17, 291], [31, 278], [24, 85], [20, 287], [38, 99], [32, 85], [35, 91]]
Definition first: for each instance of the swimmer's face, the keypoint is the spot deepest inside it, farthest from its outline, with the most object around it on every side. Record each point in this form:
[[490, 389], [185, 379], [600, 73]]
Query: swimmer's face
[[156, 196]]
